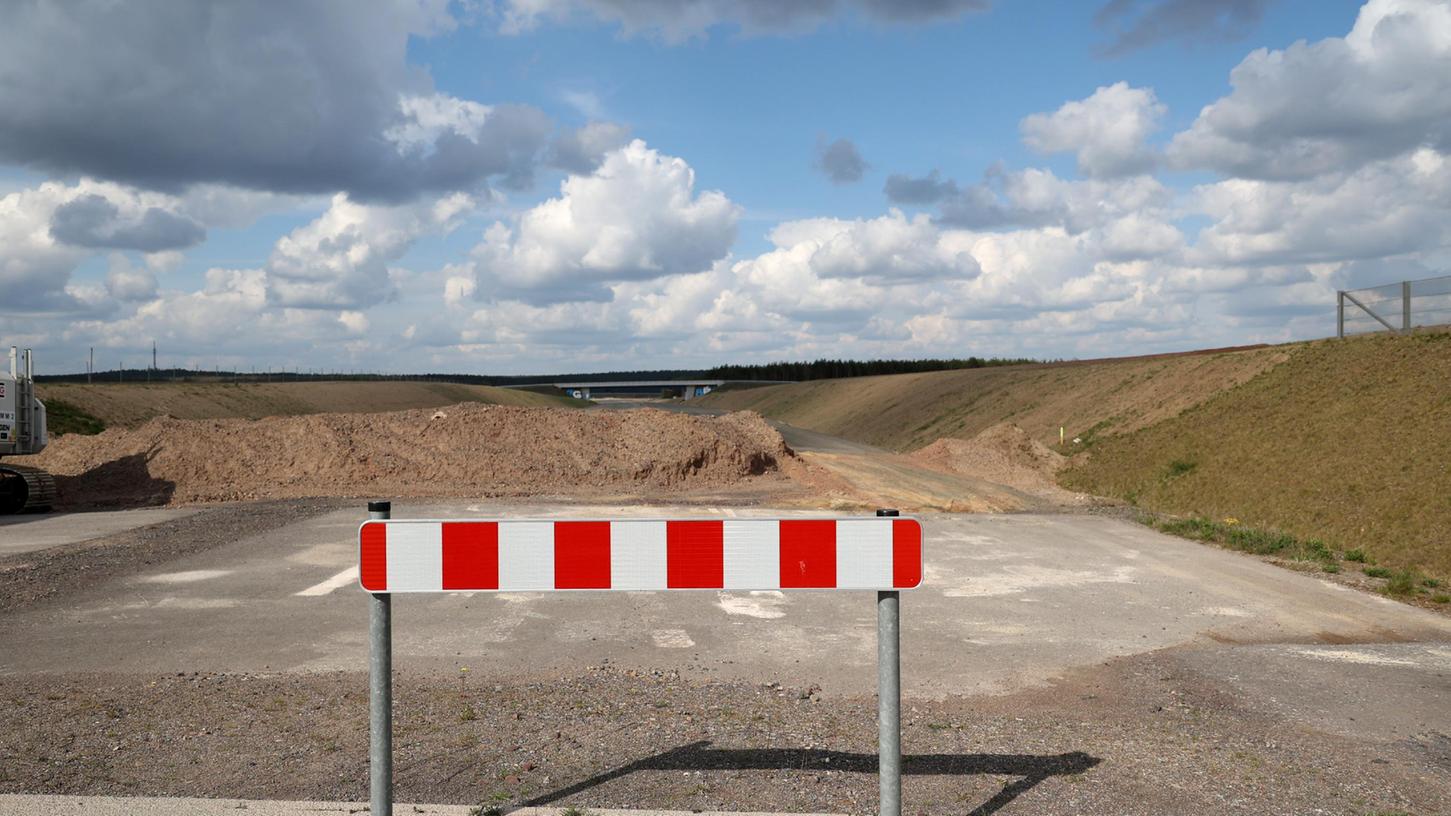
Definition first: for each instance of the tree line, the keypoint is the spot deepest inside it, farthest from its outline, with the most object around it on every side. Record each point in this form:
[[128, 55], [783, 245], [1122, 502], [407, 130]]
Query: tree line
[[783, 371], [835, 369]]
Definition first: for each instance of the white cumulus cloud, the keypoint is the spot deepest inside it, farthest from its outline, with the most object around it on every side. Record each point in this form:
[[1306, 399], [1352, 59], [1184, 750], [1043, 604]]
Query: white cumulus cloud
[[1107, 131], [638, 216], [1334, 105]]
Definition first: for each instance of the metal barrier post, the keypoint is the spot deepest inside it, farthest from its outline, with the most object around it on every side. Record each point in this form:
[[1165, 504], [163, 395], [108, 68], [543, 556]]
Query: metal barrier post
[[1340, 314], [889, 698], [380, 689], [1405, 306]]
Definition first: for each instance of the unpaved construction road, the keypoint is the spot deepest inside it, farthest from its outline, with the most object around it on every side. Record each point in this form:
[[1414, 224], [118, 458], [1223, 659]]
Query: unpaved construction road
[[1062, 663]]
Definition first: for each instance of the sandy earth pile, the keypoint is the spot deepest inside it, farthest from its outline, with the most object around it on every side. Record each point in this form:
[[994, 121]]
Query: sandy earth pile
[[1002, 453], [465, 450]]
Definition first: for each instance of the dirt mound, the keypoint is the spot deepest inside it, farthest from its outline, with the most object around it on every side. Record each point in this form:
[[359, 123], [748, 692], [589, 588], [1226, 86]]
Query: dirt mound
[[465, 450], [1003, 453]]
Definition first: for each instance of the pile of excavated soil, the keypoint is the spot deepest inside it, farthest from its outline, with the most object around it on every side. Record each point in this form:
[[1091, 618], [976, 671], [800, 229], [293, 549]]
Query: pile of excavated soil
[[465, 450], [1003, 453]]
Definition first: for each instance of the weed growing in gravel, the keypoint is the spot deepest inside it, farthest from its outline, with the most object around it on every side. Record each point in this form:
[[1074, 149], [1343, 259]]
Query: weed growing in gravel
[[1441, 598], [1251, 540], [1377, 572], [1403, 582], [1357, 555]]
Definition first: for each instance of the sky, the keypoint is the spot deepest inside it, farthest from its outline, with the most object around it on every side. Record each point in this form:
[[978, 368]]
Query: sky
[[550, 186]]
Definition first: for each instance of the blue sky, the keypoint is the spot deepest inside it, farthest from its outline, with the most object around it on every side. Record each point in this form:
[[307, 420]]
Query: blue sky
[[384, 190]]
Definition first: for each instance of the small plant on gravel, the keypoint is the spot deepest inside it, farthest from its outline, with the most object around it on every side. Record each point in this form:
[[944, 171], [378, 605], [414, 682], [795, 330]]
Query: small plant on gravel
[[1403, 582], [1357, 555], [468, 714], [1377, 572], [1430, 582], [573, 811], [1441, 598]]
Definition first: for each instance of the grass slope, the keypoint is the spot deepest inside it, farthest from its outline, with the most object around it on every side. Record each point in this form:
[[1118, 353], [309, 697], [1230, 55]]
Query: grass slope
[[1346, 442], [62, 418], [130, 404], [907, 411]]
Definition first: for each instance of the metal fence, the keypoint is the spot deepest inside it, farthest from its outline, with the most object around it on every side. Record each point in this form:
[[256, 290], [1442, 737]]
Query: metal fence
[[1395, 307]]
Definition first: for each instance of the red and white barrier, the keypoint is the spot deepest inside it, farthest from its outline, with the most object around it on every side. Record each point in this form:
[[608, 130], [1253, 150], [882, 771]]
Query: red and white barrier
[[736, 554]]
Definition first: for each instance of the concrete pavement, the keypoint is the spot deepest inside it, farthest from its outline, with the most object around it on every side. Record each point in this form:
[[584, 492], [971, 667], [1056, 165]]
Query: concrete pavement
[[1009, 602], [28, 533]]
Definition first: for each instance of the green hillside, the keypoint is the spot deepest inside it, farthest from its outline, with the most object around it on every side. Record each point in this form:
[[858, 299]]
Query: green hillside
[[1347, 441]]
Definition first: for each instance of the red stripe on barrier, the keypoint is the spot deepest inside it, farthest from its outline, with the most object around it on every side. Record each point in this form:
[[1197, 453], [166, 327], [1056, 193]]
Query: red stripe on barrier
[[808, 553], [906, 553], [470, 555], [694, 554], [373, 557], [581, 555]]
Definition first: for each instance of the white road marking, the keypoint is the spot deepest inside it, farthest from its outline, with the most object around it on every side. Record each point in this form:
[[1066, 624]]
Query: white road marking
[[764, 604], [672, 639], [1353, 656], [1225, 612], [342, 579], [185, 577], [1026, 577]]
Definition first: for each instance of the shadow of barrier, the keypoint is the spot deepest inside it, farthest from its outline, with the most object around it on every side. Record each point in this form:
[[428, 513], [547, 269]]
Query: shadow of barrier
[[1031, 769]]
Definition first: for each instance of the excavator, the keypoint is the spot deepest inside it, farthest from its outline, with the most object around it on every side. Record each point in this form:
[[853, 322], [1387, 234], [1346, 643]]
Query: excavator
[[22, 433]]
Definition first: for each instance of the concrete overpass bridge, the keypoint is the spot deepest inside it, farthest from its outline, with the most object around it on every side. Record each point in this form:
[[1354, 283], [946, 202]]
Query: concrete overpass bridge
[[690, 389]]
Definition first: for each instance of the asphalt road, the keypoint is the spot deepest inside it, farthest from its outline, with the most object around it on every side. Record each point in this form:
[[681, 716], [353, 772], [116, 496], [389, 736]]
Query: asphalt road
[[30, 532], [1009, 602], [1195, 679]]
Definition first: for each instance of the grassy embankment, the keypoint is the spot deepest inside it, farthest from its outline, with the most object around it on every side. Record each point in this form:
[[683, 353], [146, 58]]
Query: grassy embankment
[[1345, 442], [63, 418], [906, 411], [130, 404], [1313, 450]]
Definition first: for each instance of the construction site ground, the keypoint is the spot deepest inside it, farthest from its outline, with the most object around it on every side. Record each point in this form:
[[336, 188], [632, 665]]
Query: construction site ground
[[1052, 663]]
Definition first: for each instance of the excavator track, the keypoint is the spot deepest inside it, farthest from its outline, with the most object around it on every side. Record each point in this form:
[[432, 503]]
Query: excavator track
[[25, 489]]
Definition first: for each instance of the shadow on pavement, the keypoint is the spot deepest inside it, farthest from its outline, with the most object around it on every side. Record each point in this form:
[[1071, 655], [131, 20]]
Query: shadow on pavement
[[698, 756]]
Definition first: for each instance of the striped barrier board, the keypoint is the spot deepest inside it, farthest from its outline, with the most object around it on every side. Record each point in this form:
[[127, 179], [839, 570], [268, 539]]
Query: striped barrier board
[[640, 554]]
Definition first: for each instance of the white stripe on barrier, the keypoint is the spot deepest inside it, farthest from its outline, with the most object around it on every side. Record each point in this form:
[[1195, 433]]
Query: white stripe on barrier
[[863, 553], [526, 555], [415, 557], [751, 549], [637, 555]]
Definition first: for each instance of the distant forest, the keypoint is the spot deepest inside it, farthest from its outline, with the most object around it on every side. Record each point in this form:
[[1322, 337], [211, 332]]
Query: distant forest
[[835, 369], [815, 370]]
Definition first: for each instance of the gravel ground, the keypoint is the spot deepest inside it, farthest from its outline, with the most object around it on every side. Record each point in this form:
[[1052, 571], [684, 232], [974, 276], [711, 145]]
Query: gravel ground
[[32, 577], [1137, 736]]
